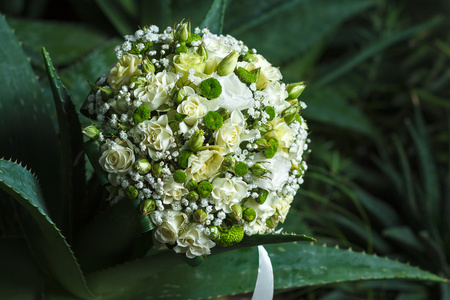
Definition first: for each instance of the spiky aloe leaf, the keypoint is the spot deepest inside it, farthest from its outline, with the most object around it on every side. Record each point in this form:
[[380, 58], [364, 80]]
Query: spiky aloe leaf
[[215, 16], [294, 264], [73, 170], [44, 236]]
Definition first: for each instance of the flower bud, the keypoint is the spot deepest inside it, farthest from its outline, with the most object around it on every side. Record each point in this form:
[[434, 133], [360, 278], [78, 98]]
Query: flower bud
[[263, 128], [213, 120], [200, 216], [178, 96], [241, 168], [249, 214], [204, 188], [228, 162], [236, 212], [192, 185], [131, 192], [249, 57], [214, 232], [182, 48], [296, 89], [225, 113], [143, 166], [192, 196], [262, 144], [179, 176], [210, 88], [272, 222], [196, 140], [183, 32], [183, 158], [106, 92], [228, 63], [289, 114], [157, 170], [138, 80], [248, 76], [148, 66], [262, 195], [147, 206], [201, 50], [141, 114], [91, 132], [259, 170]]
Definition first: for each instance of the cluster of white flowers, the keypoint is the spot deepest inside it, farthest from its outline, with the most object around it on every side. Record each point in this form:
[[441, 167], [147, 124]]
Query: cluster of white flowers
[[202, 130]]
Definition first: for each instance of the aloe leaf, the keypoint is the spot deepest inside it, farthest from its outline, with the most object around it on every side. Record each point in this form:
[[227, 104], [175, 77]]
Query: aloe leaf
[[279, 35], [215, 16], [44, 236], [26, 120], [73, 171], [20, 276], [156, 12], [377, 47], [62, 39], [121, 13], [294, 264]]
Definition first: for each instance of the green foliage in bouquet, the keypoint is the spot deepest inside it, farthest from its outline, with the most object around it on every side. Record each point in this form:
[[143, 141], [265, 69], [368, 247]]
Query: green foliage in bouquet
[[61, 238]]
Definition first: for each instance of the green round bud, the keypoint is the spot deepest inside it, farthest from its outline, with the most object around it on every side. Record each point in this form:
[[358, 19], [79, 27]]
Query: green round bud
[[262, 196], [270, 111], [178, 96], [248, 76], [181, 49], [200, 216], [228, 162], [236, 212], [213, 120], [157, 170], [143, 166], [270, 152], [272, 221], [131, 192], [249, 214], [241, 168], [192, 185], [183, 158], [225, 113], [196, 140], [296, 89], [106, 92], [179, 176], [210, 88], [201, 50], [259, 170], [148, 66], [204, 188], [230, 236], [147, 206], [249, 57], [192, 196], [91, 132], [228, 64], [141, 114]]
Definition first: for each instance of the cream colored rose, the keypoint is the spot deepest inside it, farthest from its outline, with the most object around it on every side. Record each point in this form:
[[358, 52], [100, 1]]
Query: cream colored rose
[[283, 133], [235, 94], [173, 191], [268, 73], [186, 61], [204, 164], [229, 135], [157, 89], [156, 135], [194, 107], [227, 192], [173, 224], [278, 167], [194, 243], [125, 68], [282, 207], [116, 158], [276, 95]]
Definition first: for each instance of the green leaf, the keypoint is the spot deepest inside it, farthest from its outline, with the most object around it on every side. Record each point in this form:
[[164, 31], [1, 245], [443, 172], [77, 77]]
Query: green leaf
[[20, 276], [156, 12], [45, 238], [405, 237], [73, 171], [62, 39], [294, 265], [121, 13], [276, 32], [26, 120], [215, 16]]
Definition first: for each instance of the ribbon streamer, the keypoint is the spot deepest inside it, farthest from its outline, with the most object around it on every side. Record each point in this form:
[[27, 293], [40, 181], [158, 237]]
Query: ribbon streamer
[[264, 281]]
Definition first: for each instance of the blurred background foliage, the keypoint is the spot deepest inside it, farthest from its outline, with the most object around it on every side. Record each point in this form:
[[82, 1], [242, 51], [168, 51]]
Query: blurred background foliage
[[378, 110]]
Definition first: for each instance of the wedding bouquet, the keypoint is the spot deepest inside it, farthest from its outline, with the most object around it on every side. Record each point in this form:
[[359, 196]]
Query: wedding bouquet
[[203, 132]]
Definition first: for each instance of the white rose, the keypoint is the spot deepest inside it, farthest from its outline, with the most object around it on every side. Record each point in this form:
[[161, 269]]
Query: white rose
[[116, 158], [125, 68], [194, 243], [278, 168], [173, 191], [276, 95], [230, 134], [282, 207], [173, 224], [283, 134], [156, 135], [194, 107], [157, 89], [218, 47], [235, 94], [204, 164], [268, 73], [265, 210], [227, 192]]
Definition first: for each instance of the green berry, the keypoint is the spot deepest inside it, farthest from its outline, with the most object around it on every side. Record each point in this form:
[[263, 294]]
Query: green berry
[[192, 185], [213, 120], [241, 168], [204, 188], [210, 88], [249, 214], [147, 206], [179, 176], [131, 192], [229, 237], [262, 196]]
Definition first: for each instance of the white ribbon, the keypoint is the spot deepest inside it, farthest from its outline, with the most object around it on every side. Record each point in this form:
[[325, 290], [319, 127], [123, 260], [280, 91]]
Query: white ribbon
[[264, 281]]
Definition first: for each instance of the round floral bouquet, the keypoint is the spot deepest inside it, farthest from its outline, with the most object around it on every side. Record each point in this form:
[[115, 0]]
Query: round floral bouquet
[[203, 132]]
